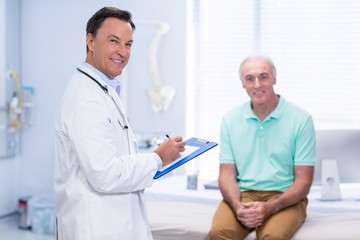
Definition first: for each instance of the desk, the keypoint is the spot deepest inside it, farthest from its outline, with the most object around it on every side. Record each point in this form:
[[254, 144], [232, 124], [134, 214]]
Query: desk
[[174, 188], [350, 193]]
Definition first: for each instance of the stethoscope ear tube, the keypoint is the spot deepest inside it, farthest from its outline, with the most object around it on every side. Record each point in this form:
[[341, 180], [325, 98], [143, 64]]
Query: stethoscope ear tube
[[104, 88]]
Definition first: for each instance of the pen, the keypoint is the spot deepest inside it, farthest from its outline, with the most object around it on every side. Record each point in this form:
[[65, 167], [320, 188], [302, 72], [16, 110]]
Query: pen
[[167, 135]]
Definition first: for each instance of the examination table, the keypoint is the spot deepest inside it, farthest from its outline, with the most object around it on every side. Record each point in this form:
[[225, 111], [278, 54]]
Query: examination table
[[192, 221], [176, 213]]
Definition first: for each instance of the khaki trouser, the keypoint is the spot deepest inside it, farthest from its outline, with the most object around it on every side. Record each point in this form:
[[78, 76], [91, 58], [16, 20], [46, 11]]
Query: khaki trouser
[[281, 225]]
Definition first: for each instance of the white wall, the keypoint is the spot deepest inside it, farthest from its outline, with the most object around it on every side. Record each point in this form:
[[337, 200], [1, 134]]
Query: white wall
[[9, 59], [53, 44], [2, 52]]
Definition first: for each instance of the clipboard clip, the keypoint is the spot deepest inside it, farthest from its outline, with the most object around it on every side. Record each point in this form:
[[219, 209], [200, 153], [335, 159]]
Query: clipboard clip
[[201, 141]]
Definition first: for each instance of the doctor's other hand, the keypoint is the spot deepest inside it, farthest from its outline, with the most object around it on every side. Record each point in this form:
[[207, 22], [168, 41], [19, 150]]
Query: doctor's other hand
[[170, 150]]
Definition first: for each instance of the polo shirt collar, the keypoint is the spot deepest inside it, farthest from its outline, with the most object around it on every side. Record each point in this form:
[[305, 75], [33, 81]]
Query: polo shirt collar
[[276, 114]]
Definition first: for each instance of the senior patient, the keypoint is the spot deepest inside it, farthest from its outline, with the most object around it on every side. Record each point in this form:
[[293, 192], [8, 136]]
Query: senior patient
[[267, 158]]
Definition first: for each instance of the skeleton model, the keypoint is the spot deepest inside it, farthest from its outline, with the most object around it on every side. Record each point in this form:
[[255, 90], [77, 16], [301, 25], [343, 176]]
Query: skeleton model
[[160, 96]]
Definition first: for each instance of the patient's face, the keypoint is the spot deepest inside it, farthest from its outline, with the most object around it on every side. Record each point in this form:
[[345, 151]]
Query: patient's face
[[258, 81]]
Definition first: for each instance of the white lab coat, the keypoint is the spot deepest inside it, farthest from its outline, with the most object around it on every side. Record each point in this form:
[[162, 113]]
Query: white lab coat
[[99, 185]]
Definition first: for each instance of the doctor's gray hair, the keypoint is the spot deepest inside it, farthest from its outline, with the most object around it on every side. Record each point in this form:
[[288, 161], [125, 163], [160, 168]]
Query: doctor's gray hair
[[97, 20], [258, 57]]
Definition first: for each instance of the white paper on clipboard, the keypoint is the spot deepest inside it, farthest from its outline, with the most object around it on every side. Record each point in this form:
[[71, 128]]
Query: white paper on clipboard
[[194, 147], [188, 150]]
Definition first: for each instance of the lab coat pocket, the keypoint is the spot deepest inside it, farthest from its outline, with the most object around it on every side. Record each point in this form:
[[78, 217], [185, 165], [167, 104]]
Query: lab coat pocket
[[110, 216]]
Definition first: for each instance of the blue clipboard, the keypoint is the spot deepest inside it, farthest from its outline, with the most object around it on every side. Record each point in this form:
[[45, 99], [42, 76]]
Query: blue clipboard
[[203, 146]]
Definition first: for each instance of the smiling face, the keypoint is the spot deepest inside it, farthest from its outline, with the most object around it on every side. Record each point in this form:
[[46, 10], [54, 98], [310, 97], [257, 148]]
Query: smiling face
[[258, 79], [109, 50]]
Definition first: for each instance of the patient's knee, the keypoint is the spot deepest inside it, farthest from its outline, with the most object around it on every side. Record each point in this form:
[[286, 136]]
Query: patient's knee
[[217, 234], [222, 233], [274, 235]]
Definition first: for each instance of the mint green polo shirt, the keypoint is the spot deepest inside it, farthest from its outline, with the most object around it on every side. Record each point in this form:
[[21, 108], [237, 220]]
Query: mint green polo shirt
[[265, 152]]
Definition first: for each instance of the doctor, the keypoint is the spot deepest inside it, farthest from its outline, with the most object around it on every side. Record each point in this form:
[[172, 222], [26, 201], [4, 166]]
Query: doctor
[[99, 175]]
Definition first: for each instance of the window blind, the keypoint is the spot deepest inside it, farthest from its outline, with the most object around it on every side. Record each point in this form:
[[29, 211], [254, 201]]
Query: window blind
[[315, 46]]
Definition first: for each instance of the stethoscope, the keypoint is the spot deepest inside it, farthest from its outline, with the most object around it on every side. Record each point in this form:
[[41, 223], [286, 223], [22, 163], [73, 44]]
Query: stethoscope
[[106, 91]]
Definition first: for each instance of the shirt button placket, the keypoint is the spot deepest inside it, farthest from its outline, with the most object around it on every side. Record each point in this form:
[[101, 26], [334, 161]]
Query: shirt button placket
[[261, 130]]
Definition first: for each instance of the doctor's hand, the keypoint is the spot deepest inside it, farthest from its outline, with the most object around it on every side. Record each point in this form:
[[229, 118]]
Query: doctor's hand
[[170, 150]]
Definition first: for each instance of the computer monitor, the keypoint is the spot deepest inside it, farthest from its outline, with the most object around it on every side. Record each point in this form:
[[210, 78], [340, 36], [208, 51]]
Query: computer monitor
[[342, 145]]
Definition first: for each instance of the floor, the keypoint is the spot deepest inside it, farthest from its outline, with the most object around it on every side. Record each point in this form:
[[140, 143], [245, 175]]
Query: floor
[[9, 230]]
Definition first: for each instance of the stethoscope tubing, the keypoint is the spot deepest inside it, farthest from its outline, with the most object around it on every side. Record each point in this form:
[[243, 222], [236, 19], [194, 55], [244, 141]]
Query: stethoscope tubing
[[106, 91]]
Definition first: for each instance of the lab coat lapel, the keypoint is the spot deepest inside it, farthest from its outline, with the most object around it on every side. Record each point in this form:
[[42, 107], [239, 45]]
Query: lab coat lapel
[[118, 102], [111, 91]]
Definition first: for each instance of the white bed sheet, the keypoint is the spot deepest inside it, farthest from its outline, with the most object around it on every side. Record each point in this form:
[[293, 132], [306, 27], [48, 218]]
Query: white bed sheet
[[192, 221]]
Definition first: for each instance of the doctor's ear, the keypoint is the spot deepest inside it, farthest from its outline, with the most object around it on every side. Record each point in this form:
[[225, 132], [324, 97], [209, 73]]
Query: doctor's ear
[[90, 41]]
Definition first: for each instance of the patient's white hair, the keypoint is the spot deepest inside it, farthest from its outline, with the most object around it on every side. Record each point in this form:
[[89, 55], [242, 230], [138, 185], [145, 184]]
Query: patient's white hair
[[258, 57]]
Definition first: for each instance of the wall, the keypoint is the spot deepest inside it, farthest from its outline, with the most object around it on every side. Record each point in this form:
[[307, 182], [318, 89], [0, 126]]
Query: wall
[[2, 52], [53, 44], [9, 60]]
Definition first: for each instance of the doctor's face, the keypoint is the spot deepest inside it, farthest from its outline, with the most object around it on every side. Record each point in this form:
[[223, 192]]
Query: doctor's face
[[109, 50]]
